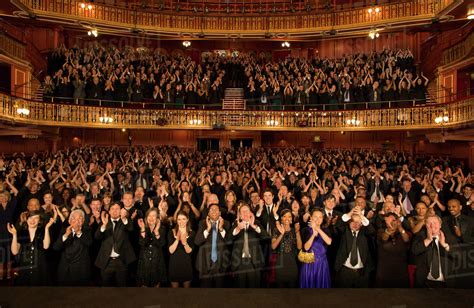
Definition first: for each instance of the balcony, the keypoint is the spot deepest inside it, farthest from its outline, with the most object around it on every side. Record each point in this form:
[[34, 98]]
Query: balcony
[[110, 19], [455, 114]]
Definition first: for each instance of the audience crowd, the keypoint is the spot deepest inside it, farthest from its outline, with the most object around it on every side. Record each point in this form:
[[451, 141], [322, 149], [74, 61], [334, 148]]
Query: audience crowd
[[113, 75], [166, 216]]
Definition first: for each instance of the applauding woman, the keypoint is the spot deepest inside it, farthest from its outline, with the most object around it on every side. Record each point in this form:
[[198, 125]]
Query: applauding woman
[[151, 264], [316, 274], [30, 245], [287, 242], [181, 242]]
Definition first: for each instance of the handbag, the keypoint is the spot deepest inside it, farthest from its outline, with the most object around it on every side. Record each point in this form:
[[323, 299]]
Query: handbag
[[306, 257]]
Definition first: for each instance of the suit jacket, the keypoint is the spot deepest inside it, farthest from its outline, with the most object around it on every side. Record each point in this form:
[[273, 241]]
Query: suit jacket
[[122, 243], [372, 185], [203, 260], [466, 225], [266, 218], [412, 195], [255, 249], [342, 94], [75, 262], [145, 178], [424, 257], [364, 236]]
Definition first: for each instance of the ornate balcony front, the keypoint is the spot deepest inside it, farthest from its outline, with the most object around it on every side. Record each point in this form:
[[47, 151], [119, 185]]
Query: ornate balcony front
[[447, 115], [299, 24]]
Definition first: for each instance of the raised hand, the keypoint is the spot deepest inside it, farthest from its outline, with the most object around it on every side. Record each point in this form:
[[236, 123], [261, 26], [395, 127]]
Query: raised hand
[[68, 231], [50, 223], [280, 228], [141, 224], [208, 224], [297, 227], [123, 214], [11, 229], [221, 223], [104, 218]]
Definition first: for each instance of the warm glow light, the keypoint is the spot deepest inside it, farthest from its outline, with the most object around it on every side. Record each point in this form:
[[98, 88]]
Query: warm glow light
[[445, 118], [186, 44], [470, 11], [23, 111], [89, 6], [285, 44], [370, 10], [123, 130], [83, 5], [377, 10]]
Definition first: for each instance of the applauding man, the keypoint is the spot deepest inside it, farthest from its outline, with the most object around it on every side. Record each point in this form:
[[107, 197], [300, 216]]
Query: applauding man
[[116, 252]]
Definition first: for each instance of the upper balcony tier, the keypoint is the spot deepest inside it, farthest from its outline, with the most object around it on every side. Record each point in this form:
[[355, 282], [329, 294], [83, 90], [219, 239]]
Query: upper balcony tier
[[284, 23]]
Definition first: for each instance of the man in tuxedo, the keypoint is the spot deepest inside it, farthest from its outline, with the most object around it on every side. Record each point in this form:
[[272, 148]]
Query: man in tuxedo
[[432, 256], [213, 257], [116, 252], [332, 219], [267, 215], [354, 261], [247, 256], [74, 266]]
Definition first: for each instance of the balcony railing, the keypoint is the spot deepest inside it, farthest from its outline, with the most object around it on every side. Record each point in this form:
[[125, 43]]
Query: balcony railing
[[184, 22], [459, 51], [447, 115]]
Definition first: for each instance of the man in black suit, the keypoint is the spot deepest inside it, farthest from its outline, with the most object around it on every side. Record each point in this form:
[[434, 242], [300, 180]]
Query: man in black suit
[[375, 96], [459, 231], [354, 261], [376, 189], [247, 256], [332, 219], [267, 215], [142, 179], [432, 256], [75, 265], [116, 252], [213, 257], [346, 95], [409, 196]]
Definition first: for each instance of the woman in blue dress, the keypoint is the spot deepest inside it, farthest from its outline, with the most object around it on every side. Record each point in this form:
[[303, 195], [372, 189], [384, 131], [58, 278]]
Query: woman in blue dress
[[316, 274]]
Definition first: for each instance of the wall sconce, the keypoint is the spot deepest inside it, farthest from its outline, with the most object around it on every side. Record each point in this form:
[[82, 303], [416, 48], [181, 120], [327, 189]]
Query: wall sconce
[[86, 6], [470, 12], [23, 111], [186, 44], [93, 32], [442, 119], [285, 44], [353, 121], [374, 10], [272, 123], [373, 34], [106, 120], [195, 122]]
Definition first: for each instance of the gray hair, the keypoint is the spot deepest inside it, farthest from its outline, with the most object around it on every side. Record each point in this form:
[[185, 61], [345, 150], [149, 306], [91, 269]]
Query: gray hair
[[78, 211]]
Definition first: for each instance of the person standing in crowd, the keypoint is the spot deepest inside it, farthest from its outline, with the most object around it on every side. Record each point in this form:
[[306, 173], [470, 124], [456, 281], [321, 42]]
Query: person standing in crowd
[[315, 239]]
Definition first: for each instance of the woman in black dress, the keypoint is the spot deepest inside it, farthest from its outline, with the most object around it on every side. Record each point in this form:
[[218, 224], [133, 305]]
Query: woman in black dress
[[30, 245], [393, 245], [7, 209], [286, 242], [180, 245], [151, 270]]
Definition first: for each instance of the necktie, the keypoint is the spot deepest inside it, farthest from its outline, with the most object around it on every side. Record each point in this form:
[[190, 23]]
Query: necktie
[[409, 206], [354, 249], [246, 250], [214, 243], [435, 261], [377, 191], [269, 211]]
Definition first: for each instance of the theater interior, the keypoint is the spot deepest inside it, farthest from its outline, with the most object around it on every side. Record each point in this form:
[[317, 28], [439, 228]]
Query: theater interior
[[339, 94]]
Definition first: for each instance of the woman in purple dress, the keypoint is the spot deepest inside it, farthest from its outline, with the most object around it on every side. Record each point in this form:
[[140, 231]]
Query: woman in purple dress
[[316, 274]]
